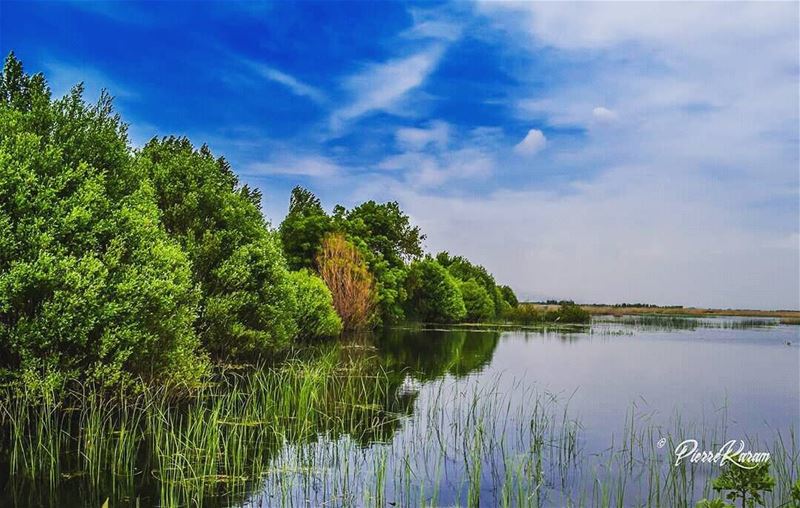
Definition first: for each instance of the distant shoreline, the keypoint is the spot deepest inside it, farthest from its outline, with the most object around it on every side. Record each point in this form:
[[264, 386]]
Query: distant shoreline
[[619, 310]]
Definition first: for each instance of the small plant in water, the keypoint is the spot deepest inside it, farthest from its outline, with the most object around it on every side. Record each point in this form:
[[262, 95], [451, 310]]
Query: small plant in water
[[713, 503], [745, 480]]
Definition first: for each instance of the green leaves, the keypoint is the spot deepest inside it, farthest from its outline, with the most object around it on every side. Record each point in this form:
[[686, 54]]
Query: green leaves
[[745, 480], [247, 300], [91, 285], [314, 312], [434, 295], [303, 229], [478, 301]]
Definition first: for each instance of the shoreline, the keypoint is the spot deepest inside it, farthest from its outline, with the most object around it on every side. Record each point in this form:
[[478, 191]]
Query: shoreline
[[597, 309]]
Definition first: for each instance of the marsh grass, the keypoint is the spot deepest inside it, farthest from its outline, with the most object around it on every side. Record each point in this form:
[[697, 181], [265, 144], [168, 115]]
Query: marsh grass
[[660, 322], [336, 430]]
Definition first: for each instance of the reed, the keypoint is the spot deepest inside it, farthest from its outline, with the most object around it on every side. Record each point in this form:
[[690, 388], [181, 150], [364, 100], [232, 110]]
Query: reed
[[337, 430]]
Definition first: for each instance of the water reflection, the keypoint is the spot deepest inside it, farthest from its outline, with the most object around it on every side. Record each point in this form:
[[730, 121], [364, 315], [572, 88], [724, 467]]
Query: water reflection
[[427, 355], [330, 423]]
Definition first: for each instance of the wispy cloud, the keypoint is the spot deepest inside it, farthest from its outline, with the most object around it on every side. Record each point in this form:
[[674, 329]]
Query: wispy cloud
[[296, 86], [430, 157], [304, 165], [383, 86], [416, 138], [434, 24]]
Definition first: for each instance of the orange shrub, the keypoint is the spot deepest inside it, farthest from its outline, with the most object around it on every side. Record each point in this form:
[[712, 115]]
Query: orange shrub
[[347, 276]]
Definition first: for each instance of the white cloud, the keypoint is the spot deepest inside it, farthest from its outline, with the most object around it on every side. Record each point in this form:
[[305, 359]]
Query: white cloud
[[533, 142], [433, 157], [414, 138], [433, 24], [310, 165], [382, 87], [634, 234], [705, 123], [688, 159], [604, 114], [296, 86], [580, 25]]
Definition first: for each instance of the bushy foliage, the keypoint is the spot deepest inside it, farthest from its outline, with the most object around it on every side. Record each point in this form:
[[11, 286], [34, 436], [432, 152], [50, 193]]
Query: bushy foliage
[[349, 280], [387, 240], [303, 229], [713, 503], [572, 313], [462, 269], [434, 294], [385, 228], [91, 285], [502, 307], [247, 302], [314, 312], [382, 233], [477, 301], [509, 296], [745, 483], [524, 314]]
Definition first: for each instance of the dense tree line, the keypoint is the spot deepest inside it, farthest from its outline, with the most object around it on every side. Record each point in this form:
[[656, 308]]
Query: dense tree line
[[407, 284], [117, 263]]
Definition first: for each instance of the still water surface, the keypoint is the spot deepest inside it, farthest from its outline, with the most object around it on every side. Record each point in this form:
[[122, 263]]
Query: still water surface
[[623, 384], [475, 417]]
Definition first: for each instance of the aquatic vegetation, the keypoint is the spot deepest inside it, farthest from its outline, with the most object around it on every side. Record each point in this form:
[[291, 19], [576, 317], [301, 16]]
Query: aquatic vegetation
[[667, 322], [338, 428], [746, 481], [566, 313]]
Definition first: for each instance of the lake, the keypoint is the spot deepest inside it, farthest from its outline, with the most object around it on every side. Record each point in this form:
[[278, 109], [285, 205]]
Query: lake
[[459, 417]]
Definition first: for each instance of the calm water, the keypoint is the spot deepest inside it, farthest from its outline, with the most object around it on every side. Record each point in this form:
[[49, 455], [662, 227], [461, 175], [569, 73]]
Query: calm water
[[469, 416], [712, 380]]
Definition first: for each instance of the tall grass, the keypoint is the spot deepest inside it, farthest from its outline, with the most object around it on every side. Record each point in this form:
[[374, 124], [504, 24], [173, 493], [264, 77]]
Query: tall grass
[[337, 430]]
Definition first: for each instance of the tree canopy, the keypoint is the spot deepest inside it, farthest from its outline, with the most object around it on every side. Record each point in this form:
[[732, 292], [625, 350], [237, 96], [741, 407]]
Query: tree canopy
[[117, 263], [247, 301], [91, 285], [303, 229], [434, 294]]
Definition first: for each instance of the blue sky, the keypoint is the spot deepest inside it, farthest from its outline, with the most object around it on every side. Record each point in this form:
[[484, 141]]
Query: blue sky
[[601, 152]]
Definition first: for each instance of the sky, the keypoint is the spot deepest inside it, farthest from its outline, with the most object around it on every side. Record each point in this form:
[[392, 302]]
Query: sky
[[601, 152]]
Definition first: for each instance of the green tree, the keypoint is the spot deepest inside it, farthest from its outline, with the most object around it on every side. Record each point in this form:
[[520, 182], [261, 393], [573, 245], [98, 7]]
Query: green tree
[[387, 240], [502, 307], [385, 229], [247, 302], [509, 296], [462, 269], [303, 229], [91, 286], [477, 301], [434, 294], [314, 312], [745, 483]]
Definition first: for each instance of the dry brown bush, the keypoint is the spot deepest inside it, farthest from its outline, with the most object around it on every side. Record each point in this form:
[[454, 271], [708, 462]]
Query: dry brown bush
[[347, 276]]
